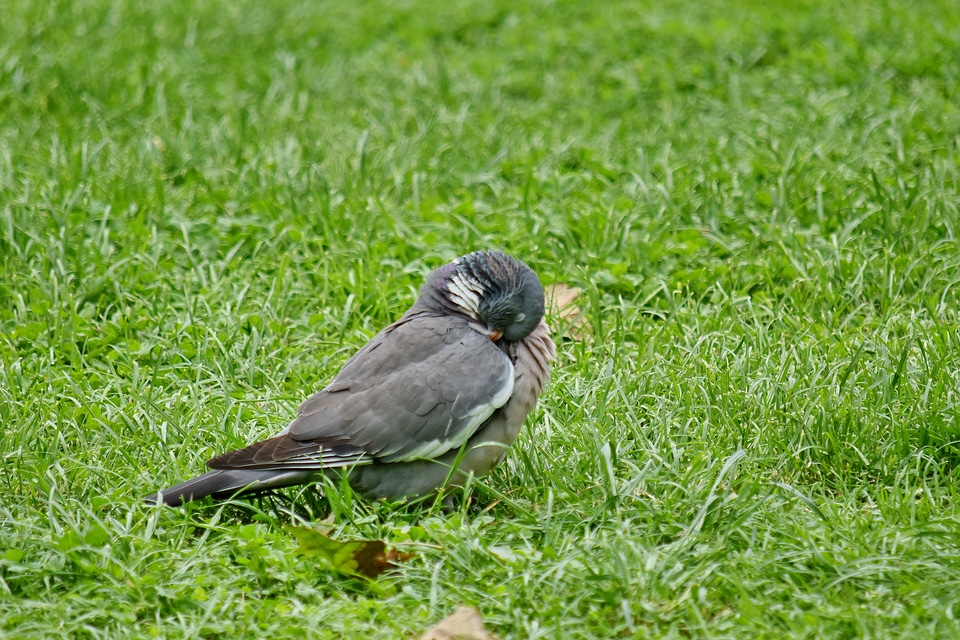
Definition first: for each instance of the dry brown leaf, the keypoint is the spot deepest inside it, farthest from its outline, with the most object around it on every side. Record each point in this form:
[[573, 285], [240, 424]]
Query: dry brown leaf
[[463, 624], [562, 304], [355, 558]]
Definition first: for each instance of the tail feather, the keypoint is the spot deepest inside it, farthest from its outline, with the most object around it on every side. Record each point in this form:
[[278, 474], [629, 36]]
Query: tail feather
[[226, 483]]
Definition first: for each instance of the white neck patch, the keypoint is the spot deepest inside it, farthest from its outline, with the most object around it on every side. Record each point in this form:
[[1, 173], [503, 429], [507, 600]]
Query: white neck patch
[[465, 293]]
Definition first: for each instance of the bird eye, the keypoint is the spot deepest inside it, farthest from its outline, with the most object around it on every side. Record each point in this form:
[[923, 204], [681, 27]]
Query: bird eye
[[520, 317]]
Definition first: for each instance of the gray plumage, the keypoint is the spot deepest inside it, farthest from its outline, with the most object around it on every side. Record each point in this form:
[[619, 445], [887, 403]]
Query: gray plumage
[[453, 380]]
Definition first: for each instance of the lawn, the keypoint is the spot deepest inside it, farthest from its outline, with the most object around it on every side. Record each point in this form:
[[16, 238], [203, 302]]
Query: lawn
[[205, 208]]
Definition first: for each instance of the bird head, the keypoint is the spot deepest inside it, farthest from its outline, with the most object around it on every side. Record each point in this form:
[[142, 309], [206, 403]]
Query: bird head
[[492, 288]]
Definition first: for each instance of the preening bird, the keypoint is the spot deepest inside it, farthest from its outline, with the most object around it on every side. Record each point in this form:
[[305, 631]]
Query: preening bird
[[436, 396]]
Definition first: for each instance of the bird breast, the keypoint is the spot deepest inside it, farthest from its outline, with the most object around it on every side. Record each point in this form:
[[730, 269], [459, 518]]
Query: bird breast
[[531, 359]]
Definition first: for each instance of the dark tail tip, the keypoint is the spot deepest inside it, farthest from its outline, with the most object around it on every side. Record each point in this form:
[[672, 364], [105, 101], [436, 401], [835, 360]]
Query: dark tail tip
[[169, 499]]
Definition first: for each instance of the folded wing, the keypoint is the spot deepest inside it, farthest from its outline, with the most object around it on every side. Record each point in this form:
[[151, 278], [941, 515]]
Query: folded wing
[[420, 388]]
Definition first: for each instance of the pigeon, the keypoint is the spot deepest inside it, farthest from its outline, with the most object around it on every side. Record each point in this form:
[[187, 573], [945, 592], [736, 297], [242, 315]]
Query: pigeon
[[436, 397]]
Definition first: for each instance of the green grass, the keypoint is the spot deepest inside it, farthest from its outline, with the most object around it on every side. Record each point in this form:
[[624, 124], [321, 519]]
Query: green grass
[[204, 210]]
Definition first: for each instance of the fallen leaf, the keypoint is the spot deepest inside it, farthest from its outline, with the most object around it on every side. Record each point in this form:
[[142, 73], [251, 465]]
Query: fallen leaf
[[355, 558], [463, 624], [562, 304]]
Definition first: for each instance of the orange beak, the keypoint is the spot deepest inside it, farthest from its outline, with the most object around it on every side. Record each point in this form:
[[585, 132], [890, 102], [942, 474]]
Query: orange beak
[[495, 334]]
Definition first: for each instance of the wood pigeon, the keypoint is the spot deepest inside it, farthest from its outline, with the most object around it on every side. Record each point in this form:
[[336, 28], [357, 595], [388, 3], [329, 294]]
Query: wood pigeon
[[447, 385]]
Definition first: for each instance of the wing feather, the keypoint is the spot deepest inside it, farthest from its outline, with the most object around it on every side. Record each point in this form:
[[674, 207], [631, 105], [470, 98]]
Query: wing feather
[[418, 389]]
